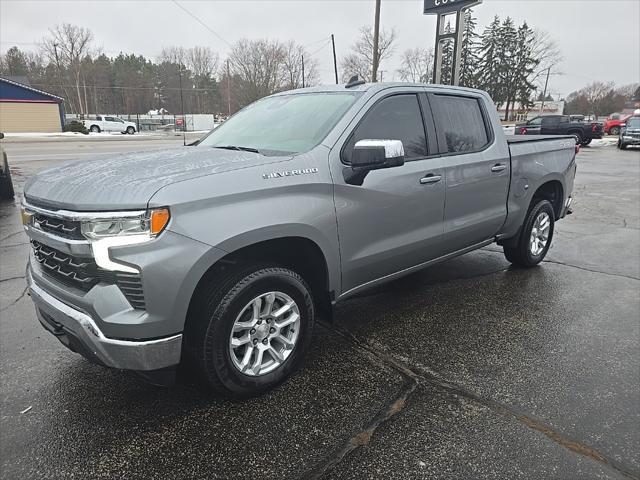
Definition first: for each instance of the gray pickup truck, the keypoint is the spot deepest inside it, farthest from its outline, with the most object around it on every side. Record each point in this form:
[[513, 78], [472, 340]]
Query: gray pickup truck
[[221, 256]]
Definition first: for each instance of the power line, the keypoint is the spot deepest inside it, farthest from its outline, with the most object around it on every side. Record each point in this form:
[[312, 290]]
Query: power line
[[201, 22], [322, 47]]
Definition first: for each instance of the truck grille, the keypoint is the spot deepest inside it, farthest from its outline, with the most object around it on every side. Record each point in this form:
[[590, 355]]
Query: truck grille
[[58, 226], [83, 273]]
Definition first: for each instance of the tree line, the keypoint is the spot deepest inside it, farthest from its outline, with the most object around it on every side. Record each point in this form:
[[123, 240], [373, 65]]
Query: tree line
[[68, 65]]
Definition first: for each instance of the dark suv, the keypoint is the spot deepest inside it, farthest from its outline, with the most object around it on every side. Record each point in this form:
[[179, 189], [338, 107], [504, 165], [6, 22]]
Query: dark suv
[[629, 133]]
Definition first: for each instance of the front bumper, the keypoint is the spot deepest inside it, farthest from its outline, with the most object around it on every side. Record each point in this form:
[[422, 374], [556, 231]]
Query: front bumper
[[80, 333], [630, 140]]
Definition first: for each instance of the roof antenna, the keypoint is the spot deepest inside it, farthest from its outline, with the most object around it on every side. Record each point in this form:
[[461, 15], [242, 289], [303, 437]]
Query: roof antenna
[[354, 82]]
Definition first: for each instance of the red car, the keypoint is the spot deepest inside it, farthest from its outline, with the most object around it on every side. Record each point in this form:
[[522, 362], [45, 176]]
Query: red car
[[612, 124]]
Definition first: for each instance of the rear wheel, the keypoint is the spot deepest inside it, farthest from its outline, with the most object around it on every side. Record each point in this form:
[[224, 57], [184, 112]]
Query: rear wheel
[[578, 137], [251, 330], [586, 142], [614, 131], [131, 130], [535, 238], [94, 129]]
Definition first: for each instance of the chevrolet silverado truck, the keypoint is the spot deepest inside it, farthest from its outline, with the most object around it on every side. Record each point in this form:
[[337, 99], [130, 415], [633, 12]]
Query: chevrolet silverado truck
[[219, 257], [582, 132]]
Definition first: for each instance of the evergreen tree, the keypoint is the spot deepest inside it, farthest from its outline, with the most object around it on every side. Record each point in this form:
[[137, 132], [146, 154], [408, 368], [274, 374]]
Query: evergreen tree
[[470, 60], [489, 72], [519, 68], [447, 58]]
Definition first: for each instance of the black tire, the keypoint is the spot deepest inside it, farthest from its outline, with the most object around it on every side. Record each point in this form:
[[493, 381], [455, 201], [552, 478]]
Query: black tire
[[210, 325], [586, 142], [622, 146], [578, 137], [95, 129], [615, 131], [131, 130], [521, 253], [6, 184]]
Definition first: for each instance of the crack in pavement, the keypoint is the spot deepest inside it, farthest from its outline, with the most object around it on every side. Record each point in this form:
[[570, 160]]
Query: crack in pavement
[[416, 374], [16, 300], [10, 235], [11, 278], [14, 244], [592, 270]]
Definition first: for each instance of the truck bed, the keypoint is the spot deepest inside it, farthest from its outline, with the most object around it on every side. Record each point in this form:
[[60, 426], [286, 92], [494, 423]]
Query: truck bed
[[534, 138]]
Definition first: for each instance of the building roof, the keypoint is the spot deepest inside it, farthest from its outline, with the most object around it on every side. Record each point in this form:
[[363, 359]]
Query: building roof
[[31, 89]]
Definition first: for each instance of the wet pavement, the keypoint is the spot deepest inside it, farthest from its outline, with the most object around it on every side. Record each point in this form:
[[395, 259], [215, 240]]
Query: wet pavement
[[469, 369]]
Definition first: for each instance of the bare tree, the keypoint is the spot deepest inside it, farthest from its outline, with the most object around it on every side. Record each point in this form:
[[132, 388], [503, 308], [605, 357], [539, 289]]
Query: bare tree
[[202, 61], [595, 94], [292, 66], [178, 55], [546, 51], [66, 46], [360, 60], [257, 64], [417, 65]]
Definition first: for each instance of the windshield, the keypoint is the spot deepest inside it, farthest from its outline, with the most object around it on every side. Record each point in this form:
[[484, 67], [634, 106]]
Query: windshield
[[283, 124], [633, 122]]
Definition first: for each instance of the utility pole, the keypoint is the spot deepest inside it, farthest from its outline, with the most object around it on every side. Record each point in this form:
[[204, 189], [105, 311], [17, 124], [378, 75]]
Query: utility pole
[[335, 62], [544, 95], [302, 71], [228, 87], [184, 134], [376, 38]]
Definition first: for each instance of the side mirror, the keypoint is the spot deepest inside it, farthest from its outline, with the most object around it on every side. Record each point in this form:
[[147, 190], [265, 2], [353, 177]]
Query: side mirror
[[373, 155]]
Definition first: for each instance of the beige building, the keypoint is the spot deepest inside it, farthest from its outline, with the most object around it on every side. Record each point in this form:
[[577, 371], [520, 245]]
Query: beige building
[[26, 109]]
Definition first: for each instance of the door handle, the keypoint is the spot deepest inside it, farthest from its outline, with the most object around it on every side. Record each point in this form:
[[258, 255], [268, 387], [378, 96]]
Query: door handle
[[498, 167], [431, 178]]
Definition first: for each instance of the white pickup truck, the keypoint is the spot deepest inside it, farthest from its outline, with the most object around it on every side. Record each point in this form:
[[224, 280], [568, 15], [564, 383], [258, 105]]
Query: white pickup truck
[[105, 123]]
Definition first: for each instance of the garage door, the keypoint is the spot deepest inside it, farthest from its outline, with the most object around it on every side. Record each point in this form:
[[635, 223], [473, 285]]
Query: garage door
[[29, 117]]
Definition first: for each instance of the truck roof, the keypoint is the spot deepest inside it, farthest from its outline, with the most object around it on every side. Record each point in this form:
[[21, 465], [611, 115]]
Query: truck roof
[[371, 88]]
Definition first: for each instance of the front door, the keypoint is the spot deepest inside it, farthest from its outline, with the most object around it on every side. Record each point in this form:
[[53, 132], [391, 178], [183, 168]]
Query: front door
[[393, 221], [477, 170]]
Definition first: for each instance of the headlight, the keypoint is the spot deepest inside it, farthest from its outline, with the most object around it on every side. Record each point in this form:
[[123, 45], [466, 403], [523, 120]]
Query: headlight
[[148, 224]]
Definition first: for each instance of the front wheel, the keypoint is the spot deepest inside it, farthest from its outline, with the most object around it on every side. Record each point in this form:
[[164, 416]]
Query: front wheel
[[535, 238], [252, 329], [622, 146]]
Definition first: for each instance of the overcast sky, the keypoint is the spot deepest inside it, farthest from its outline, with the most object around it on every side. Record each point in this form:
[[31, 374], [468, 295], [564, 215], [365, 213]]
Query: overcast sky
[[599, 39]]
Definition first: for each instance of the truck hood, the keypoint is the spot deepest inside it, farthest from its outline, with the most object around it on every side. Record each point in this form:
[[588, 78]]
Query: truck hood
[[128, 181]]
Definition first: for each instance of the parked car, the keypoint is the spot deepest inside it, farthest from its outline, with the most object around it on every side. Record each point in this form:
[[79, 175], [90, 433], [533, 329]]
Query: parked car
[[222, 255], [629, 133], [614, 122], [6, 184], [105, 123], [582, 132]]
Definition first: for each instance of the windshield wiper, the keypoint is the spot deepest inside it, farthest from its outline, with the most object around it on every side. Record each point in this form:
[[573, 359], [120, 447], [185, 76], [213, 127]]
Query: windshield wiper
[[235, 147]]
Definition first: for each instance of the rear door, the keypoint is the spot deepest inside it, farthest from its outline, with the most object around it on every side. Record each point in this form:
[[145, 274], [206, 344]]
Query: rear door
[[550, 125], [393, 221], [112, 125], [477, 169]]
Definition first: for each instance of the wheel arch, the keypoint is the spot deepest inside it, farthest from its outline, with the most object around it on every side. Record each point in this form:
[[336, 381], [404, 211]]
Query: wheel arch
[[298, 253], [553, 191]]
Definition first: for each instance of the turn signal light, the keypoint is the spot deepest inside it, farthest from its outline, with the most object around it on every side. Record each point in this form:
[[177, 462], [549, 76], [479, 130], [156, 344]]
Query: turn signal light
[[159, 220]]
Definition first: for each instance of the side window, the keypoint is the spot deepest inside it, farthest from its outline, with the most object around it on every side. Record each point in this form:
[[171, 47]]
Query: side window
[[564, 119], [535, 121], [550, 121], [110, 119], [393, 118], [99, 118], [461, 122]]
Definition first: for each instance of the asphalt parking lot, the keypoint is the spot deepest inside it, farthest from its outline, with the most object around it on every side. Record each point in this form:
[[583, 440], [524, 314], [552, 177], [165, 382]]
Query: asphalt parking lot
[[469, 369]]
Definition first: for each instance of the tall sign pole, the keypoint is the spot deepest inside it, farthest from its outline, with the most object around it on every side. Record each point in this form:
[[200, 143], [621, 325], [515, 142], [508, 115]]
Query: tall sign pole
[[442, 8]]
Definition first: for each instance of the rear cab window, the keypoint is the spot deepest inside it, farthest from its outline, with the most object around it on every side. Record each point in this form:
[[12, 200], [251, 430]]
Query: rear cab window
[[461, 124]]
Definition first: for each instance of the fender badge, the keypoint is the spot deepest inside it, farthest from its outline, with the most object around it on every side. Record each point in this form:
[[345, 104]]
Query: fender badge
[[289, 173]]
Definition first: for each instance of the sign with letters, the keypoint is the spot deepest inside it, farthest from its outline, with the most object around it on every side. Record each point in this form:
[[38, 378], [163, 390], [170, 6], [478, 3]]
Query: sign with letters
[[447, 6]]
